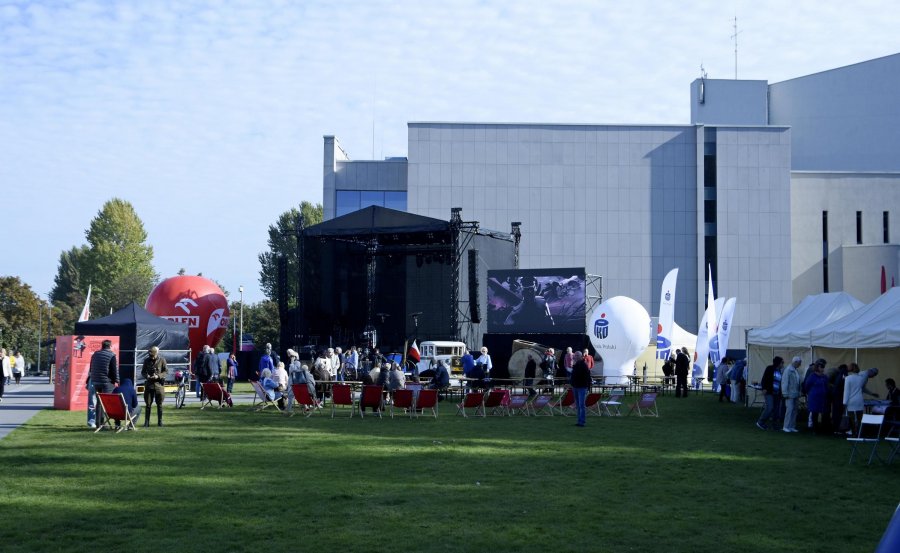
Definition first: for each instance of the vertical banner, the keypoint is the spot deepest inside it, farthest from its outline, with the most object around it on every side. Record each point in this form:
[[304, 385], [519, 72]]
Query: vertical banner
[[73, 362], [725, 326], [664, 328], [707, 328]]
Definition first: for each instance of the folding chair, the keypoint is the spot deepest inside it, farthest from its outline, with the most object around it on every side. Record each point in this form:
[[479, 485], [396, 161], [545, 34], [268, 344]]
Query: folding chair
[[372, 396], [213, 391], [592, 403], [497, 401], [428, 399], [302, 398], [646, 403], [113, 408], [566, 402], [870, 425], [263, 398], [404, 398], [893, 438], [341, 394], [541, 405], [613, 402], [472, 400], [518, 404]]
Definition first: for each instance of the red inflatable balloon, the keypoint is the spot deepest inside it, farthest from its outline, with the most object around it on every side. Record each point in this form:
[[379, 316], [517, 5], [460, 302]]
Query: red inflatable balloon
[[194, 300]]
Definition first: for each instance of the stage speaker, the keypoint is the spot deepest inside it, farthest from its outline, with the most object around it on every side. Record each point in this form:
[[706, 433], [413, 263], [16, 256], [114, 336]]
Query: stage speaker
[[474, 308]]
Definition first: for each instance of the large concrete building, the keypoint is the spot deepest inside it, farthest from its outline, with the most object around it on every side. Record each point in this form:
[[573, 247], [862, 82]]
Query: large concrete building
[[785, 189]]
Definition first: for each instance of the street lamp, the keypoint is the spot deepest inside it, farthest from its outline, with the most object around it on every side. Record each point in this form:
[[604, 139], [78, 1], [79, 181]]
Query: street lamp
[[241, 290]]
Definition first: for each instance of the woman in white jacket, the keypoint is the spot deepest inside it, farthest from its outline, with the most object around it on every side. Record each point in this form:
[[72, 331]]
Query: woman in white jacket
[[7, 371]]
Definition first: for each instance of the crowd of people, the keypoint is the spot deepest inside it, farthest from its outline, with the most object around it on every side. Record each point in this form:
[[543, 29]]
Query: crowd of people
[[834, 397], [13, 369]]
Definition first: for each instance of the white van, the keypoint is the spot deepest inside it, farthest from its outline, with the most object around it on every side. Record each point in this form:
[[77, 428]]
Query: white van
[[431, 352]]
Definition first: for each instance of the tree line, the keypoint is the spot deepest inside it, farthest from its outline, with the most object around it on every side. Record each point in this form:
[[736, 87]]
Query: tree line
[[116, 261]]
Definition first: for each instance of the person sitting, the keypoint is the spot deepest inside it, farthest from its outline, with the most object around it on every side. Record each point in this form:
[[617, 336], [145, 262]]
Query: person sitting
[[302, 376], [476, 378], [441, 378], [396, 379], [126, 388], [271, 387], [383, 376], [280, 376]]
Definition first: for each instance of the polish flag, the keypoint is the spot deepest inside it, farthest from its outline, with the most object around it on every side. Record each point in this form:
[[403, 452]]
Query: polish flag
[[413, 353]]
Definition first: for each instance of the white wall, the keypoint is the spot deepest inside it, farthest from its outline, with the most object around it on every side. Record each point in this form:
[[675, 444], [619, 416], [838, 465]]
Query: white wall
[[729, 102]]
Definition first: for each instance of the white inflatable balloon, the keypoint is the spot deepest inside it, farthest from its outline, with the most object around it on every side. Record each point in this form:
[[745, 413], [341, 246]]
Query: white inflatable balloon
[[619, 329]]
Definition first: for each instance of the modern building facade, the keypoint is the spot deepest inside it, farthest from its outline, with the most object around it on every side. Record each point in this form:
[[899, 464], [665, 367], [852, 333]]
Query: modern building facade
[[631, 202]]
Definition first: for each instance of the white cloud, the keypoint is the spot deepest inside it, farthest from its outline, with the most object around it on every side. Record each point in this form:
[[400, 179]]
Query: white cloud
[[209, 116]]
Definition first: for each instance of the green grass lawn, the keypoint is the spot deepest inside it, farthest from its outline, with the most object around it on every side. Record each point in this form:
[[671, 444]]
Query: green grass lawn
[[700, 478]]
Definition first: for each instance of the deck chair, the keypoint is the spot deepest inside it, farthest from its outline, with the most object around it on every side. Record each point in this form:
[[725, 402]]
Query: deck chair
[[646, 404], [566, 402], [497, 401], [372, 396], [303, 399], [612, 404], [428, 399], [541, 405], [213, 391], [404, 398], [341, 394], [869, 433], [518, 405], [113, 408], [592, 403], [472, 400], [261, 400]]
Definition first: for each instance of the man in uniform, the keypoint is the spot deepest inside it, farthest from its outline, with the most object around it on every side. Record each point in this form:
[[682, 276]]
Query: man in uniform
[[154, 373]]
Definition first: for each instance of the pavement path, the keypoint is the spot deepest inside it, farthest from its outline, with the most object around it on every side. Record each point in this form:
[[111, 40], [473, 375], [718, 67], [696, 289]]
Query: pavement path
[[22, 401]]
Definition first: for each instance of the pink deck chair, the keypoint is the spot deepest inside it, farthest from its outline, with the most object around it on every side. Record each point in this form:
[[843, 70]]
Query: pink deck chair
[[428, 399], [303, 399], [646, 404], [473, 400], [342, 394], [518, 404], [404, 398], [541, 405], [213, 391], [566, 402], [113, 408], [372, 396], [592, 403], [498, 403]]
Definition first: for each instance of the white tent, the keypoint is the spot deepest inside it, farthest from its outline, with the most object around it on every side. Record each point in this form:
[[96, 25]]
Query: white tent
[[869, 337], [792, 334]]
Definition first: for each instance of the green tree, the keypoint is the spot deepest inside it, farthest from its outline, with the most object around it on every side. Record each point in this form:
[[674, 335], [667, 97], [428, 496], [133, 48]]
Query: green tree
[[19, 316], [260, 321], [116, 262], [283, 242]]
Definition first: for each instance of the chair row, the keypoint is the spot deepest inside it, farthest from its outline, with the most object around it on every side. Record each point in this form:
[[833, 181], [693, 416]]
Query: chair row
[[501, 402]]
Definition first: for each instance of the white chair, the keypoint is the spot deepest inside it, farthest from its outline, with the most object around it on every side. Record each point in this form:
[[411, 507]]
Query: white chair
[[869, 427], [611, 406], [893, 436]]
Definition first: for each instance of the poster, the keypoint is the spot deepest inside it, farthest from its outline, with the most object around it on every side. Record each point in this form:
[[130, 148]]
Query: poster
[[73, 362]]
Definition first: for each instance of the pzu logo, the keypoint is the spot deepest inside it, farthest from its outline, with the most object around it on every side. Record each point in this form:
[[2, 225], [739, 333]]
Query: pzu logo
[[601, 327], [668, 296]]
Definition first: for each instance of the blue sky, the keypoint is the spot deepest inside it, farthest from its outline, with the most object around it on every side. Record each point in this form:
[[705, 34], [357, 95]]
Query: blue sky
[[209, 116]]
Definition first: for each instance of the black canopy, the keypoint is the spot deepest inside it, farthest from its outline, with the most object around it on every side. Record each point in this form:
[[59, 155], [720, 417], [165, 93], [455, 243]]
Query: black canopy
[[138, 329], [379, 221]]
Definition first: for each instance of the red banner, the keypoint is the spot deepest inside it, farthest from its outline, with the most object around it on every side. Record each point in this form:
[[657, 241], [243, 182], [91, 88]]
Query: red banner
[[73, 362]]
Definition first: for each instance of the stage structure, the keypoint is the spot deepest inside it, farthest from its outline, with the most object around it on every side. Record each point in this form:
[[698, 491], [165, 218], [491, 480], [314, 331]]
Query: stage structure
[[385, 276]]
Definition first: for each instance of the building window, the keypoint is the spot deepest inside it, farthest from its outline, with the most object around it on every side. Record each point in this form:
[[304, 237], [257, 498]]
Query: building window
[[348, 201], [859, 227], [825, 251], [885, 223]]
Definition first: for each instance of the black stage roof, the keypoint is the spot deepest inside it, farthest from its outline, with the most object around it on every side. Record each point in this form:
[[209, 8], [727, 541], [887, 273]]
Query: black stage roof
[[382, 223]]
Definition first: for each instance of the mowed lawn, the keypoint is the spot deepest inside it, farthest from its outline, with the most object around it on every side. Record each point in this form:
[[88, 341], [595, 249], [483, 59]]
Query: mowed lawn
[[702, 477]]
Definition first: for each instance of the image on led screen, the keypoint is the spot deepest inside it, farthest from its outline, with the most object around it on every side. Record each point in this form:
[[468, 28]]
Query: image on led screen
[[536, 300]]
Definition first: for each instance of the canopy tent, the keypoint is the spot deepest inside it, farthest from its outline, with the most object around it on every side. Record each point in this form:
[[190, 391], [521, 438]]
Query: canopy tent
[[138, 330], [791, 334], [869, 337]]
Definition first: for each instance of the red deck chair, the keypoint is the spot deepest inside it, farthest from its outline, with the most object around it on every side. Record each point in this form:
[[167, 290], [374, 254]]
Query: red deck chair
[[592, 403], [302, 399], [518, 404], [498, 403], [646, 404], [113, 408], [541, 405], [372, 396], [428, 399], [473, 400], [341, 394], [404, 398], [262, 398], [213, 391], [566, 402]]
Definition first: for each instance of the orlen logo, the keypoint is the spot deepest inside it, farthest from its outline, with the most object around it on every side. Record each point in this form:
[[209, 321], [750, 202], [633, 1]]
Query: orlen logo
[[601, 327], [183, 304], [193, 321], [216, 321]]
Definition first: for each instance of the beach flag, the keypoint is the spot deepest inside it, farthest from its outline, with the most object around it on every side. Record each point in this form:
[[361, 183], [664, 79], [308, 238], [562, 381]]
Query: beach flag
[[86, 312]]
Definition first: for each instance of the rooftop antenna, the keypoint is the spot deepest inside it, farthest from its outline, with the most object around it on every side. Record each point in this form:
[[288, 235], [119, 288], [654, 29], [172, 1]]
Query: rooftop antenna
[[735, 37], [702, 84]]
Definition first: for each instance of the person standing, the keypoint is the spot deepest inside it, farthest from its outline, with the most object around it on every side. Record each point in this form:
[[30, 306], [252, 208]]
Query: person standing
[[815, 386], [682, 366], [485, 361], [790, 391], [154, 371], [588, 360], [104, 371], [232, 369], [19, 368], [467, 362], [213, 365], [569, 361], [854, 388], [580, 380], [548, 366], [203, 369], [4, 360], [722, 378], [771, 384], [266, 362], [199, 368]]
